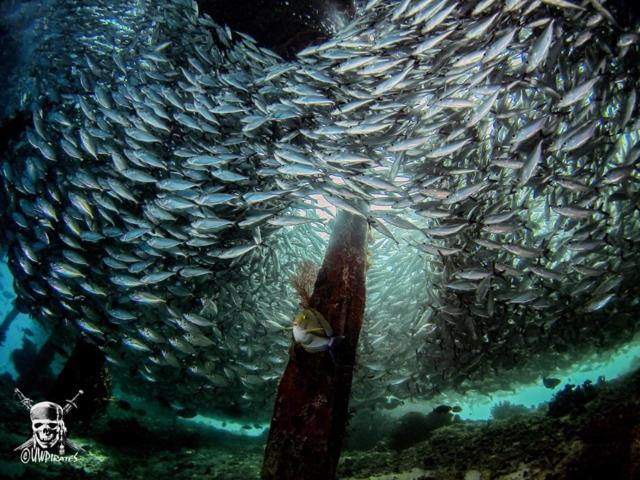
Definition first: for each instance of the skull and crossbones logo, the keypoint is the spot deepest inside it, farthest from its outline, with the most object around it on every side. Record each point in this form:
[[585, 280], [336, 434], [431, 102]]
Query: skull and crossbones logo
[[49, 432], [47, 424]]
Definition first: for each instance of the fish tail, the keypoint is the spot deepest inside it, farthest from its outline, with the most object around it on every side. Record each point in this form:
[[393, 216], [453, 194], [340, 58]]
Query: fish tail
[[334, 348]]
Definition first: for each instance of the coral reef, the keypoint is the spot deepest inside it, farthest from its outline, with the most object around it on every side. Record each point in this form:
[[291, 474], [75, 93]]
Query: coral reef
[[600, 439], [415, 427], [506, 410], [572, 399]]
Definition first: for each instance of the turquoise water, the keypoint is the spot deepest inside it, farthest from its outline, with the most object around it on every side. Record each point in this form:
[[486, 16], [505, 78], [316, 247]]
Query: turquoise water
[[621, 361], [610, 365], [236, 428], [16, 331]]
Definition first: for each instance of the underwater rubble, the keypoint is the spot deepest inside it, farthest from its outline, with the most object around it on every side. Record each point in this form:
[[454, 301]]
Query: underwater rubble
[[148, 203], [592, 440]]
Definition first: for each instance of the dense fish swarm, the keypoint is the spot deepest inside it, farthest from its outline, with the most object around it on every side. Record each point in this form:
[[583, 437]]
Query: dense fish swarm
[[493, 145]]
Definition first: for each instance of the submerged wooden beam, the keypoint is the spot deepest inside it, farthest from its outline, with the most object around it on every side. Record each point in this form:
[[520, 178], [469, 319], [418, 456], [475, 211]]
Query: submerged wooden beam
[[6, 323], [312, 404]]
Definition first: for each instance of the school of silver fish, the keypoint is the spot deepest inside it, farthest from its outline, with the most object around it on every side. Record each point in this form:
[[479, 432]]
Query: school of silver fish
[[176, 174]]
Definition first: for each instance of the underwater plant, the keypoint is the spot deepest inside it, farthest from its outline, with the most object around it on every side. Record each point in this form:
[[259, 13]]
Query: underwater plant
[[304, 280]]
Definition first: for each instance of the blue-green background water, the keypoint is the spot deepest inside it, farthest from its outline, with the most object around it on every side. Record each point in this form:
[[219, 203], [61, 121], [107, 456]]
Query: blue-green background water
[[474, 405], [608, 365]]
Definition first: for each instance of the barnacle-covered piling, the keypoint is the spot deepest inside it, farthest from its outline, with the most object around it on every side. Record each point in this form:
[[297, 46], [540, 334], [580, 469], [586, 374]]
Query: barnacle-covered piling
[[311, 408]]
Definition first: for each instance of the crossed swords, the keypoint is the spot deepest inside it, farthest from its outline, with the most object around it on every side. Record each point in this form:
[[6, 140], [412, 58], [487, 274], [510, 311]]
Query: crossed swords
[[28, 403]]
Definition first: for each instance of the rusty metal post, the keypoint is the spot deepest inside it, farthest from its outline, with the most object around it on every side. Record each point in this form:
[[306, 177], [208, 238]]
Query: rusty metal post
[[312, 405]]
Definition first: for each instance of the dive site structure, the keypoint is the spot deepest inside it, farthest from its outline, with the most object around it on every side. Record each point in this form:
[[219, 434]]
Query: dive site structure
[[320, 239]]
